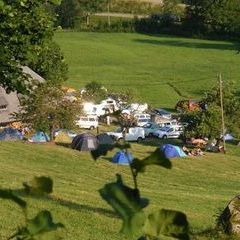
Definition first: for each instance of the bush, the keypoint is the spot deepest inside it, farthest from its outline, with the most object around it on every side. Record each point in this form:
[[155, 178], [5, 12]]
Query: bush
[[100, 24], [157, 23]]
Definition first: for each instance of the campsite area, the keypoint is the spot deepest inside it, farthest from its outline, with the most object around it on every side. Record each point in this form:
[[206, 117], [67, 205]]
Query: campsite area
[[119, 120]]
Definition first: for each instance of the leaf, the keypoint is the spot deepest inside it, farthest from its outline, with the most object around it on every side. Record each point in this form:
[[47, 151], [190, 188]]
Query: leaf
[[42, 223], [9, 195], [1, 4], [103, 149], [167, 222], [156, 158], [39, 185], [127, 203]]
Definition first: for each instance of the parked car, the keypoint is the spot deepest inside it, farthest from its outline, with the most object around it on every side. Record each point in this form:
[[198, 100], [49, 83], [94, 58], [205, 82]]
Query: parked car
[[169, 132], [163, 113], [88, 122], [150, 128], [133, 134]]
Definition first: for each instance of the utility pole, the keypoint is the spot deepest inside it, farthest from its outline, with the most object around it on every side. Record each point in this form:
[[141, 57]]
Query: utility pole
[[108, 10], [222, 111]]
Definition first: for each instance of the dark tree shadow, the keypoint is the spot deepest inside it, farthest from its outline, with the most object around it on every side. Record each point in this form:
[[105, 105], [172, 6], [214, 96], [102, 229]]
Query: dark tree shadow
[[66, 203], [182, 43]]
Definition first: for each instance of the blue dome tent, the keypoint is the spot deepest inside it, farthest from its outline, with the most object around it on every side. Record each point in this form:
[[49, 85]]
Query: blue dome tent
[[172, 151], [122, 158], [10, 134], [39, 137]]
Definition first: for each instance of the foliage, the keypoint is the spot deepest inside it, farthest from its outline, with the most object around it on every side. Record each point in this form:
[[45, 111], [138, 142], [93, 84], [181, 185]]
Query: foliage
[[207, 123], [129, 205], [41, 223], [39, 185], [100, 24], [25, 26], [173, 7], [157, 23], [95, 92], [134, 7], [67, 12], [220, 17], [46, 108], [50, 63], [167, 222], [155, 158]]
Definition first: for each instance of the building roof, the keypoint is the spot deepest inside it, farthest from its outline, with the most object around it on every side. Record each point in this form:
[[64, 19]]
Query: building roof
[[34, 75], [9, 103]]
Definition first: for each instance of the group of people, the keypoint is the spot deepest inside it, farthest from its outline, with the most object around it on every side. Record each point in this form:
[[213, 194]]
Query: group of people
[[193, 152]]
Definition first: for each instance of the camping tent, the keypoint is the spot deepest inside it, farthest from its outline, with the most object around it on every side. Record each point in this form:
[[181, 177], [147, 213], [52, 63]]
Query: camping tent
[[85, 142], [39, 137], [63, 137], [171, 151], [105, 139], [122, 158], [10, 134]]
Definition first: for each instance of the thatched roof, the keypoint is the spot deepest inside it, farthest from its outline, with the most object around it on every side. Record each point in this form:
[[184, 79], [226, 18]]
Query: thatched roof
[[9, 103]]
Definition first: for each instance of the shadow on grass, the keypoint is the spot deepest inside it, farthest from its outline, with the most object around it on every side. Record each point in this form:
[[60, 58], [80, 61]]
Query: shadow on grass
[[82, 207], [156, 142], [212, 233], [66, 203], [67, 145], [182, 43]]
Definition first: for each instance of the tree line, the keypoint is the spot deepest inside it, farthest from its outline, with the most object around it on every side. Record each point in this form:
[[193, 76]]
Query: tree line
[[214, 18]]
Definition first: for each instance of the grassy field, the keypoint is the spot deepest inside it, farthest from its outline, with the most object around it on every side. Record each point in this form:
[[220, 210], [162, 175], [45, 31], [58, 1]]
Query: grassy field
[[148, 65], [198, 186]]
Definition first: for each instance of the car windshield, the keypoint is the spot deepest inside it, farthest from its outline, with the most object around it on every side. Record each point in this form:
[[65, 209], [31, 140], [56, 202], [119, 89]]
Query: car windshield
[[164, 129], [148, 125]]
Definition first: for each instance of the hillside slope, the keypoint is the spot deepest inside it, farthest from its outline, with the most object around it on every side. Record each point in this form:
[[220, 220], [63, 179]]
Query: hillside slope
[[197, 186], [158, 68]]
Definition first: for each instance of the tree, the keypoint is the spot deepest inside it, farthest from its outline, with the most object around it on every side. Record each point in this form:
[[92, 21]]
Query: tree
[[214, 16], [46, 109], [50, 63], [208, 123], [94, 92], [88, 7], [67, 12], [26, 27]]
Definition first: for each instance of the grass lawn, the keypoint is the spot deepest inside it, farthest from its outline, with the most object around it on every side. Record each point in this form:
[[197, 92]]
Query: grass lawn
[[148, 65], [198, 186]]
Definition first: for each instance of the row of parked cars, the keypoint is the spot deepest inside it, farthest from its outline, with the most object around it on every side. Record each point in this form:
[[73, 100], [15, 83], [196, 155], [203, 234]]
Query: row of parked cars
[[167, 128], [91, 121], [171, 130]]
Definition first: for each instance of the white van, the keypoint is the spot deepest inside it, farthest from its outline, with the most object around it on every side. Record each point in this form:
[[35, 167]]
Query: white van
[[134, 134], [142, 119], [89, 122]]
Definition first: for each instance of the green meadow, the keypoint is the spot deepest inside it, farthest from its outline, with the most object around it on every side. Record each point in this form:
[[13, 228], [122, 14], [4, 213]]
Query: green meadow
[[158, 69], [198, 186]]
